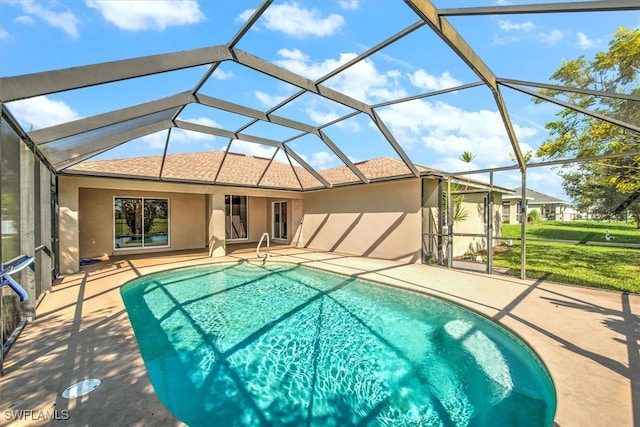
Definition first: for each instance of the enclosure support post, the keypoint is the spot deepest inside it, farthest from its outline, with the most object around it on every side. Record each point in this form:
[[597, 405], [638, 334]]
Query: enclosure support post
[[489, 220], [450, 209], [27, 228], [523, 227], [440, 229]]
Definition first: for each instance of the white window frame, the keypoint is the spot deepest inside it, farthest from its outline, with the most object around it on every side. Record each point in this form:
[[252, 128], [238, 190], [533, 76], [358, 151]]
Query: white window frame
[[273, 223]]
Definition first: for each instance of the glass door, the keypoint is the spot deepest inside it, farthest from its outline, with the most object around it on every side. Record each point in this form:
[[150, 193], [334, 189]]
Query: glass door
[[279, 221]]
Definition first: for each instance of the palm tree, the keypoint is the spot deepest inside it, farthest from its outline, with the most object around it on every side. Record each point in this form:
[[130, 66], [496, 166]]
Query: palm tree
[[467, 157]]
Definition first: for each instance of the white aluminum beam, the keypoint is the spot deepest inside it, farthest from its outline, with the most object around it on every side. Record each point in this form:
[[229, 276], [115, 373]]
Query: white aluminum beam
[[439, 24], [569, 7], [225, 133], [387, 134], [61, 159], [577, 108], [255, 114], [64, 130], [333, 147], [44, 83], [294, 79], [308, 167], [508, 82]]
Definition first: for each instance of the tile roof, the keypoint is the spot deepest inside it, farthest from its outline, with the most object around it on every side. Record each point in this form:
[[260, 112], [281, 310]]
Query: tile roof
[[536, 198], [245, 170], [239, 169]]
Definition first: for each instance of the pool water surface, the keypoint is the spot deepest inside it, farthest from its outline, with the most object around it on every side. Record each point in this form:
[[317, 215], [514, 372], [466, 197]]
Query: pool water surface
[[249, 345]]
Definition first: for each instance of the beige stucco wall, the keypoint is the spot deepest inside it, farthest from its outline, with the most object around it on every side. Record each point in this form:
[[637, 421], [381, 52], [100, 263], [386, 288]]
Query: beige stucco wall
[[432, 245], [380, 220], [475, 223], [196, 215], [187, 215]]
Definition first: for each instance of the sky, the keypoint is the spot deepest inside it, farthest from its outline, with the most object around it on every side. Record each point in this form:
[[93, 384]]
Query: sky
[[311, 38]]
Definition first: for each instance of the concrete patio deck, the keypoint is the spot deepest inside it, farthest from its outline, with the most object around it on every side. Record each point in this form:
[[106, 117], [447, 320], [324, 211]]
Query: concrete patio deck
[[589, 339]]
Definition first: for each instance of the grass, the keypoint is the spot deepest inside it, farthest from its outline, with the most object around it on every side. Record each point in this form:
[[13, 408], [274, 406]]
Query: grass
[[606, 267], [581, 231]]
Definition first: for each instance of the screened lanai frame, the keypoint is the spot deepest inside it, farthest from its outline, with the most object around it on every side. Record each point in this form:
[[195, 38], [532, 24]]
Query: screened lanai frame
[[68, 144]]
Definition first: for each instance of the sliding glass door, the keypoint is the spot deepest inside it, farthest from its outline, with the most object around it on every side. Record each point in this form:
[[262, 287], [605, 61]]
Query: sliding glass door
[[140, 222], [235, 211]]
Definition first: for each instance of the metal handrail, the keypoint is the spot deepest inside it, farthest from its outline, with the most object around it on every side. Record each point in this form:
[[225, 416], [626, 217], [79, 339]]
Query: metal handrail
[[260, 244]]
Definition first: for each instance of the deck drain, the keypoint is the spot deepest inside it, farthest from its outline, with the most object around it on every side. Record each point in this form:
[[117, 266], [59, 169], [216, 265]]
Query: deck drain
[[81, 388]]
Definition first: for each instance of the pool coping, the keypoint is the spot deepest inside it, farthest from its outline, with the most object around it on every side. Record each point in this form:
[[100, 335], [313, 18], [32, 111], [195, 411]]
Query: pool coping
[[587, 338]]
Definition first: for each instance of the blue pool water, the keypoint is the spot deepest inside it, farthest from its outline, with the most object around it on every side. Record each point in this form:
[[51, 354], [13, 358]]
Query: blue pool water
[[283, 345]]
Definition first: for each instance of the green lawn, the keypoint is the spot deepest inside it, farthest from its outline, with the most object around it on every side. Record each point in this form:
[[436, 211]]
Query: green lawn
[[580, 264], [581, 231]]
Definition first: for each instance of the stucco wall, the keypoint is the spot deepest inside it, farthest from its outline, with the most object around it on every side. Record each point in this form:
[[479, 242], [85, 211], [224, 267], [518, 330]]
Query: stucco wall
[[196, 215], [380, 220], [475, 223], [95, 220]]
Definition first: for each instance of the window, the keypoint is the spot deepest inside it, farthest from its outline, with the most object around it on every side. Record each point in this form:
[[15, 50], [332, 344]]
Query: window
[[141, 223], [235, 212], [506, 212]]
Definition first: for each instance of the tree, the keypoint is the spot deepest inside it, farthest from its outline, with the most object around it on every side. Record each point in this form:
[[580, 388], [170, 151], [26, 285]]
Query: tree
[[467, 157], [603, 185]]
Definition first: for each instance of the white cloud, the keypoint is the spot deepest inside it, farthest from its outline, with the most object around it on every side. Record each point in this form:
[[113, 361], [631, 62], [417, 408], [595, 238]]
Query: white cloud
[[222, 75], [506, 25], [584, 42], [41, 112], [156, 140], [297, 21], [349, 4], [63, 19], [504, 40], [320, 160], [149, 14], [244, 16], [361, 81], [25, 19], [4, 35], [546, 180], [552, 37], [450, 130], [321, 117], [183, 136], [251, 149], [424, 80], [267, 99]]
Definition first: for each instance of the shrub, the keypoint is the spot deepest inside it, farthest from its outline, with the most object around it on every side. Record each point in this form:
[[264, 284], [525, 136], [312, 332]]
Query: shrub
[[533, 216]]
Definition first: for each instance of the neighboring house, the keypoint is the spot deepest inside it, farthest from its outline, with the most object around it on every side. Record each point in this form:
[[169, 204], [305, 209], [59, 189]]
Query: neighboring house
[[549, 207], [104, 203]]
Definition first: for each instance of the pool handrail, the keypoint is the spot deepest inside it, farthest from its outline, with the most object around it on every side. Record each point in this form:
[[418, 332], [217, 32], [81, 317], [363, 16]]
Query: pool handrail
[[12, 268], [260, 244]]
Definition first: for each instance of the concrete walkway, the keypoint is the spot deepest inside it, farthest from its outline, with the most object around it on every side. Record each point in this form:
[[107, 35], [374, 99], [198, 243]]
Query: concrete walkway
[[589, 340]]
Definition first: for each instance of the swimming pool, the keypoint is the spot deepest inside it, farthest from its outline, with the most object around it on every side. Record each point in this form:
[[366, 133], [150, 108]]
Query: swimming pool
[[280, 344]]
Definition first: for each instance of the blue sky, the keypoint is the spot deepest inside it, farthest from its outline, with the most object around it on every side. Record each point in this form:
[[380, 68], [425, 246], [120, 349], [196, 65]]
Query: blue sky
[[310, 38]]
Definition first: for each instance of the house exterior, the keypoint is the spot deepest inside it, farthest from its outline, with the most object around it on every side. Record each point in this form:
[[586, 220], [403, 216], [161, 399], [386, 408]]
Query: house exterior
[[549, 207], [103, 214]]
